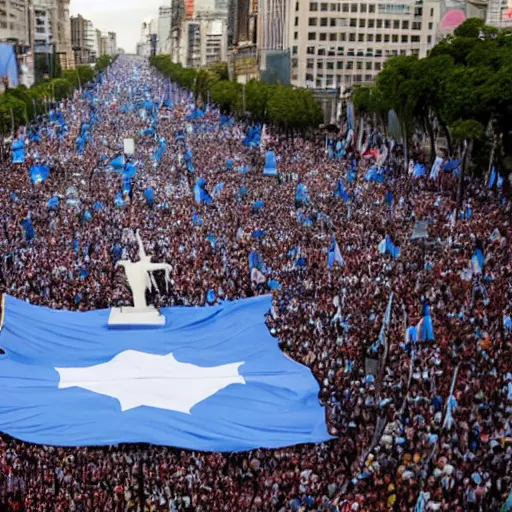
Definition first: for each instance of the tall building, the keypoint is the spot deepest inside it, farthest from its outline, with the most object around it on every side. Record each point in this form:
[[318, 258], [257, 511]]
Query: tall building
[[273, 33], [101, 42], [111, 43], [242, 34], [62, 35], [273, 24], [91, 42], [241, 31], [341, 44], [147, 44], [177, 17], [52, 32], [204, 42], [164, 29], [84, 40], [16, 22]]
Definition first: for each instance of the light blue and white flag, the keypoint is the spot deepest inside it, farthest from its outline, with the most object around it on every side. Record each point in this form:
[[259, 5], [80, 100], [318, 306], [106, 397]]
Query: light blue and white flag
[[211, 379], [334, 254]]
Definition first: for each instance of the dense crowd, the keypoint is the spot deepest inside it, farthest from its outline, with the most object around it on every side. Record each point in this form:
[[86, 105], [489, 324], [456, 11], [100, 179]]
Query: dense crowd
[[420, 424]]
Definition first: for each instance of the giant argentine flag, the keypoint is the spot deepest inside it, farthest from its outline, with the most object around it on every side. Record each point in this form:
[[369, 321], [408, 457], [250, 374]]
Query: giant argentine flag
[[211, 379]]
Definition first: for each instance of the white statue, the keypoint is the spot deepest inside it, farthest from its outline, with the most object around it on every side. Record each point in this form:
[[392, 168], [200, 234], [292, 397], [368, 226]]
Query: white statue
[[140, 279]]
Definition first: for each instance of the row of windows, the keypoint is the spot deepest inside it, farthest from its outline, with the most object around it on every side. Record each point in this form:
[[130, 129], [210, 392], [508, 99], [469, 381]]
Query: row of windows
[[329, 79], [390, 8], [361, 38], [377, 66], [351, 52], [364, 23]]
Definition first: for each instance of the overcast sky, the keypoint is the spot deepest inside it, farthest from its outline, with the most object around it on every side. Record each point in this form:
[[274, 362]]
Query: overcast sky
[[124, 17]]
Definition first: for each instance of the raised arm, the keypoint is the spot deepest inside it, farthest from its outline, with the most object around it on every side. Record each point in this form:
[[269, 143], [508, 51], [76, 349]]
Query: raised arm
[[142, 252]]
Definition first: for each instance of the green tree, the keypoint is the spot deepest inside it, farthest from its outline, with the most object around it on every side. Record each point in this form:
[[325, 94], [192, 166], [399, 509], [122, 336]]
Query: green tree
[[227, 96], [472, 27], [465, 132], [13, 113], [396, 83], [103, 63]]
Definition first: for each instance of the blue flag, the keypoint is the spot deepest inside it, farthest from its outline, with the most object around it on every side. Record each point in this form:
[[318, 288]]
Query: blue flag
[[492, 177], [255, 260], [117, 163], [200, 194], [18, 151], [119, 201], [53, 203], [39, 173], [258, 205], [149, 195], [212, 379], [302, 194], [270, 164], [340, 191], [28, 228]]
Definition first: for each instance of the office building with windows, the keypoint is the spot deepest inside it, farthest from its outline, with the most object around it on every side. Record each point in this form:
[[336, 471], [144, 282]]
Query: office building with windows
[[338, 44]]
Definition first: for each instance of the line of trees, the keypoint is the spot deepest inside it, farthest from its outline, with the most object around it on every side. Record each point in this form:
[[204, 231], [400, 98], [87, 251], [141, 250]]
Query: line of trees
[[290, 110], [462, 92], [20, 105]]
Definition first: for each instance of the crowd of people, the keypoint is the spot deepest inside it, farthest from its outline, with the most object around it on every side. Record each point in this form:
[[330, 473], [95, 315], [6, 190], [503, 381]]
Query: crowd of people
[[421, 414]]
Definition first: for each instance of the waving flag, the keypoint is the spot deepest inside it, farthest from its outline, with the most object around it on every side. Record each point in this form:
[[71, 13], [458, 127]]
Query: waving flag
[[334, 254], [302, 194], [212, 379], [387, 246], [340, 191], [149, 195], [18, 151], [492, 177], [159, 153], [270, 164], [117, 163], [53, 203], [39, 173], [255, 260], [201, 196], [28, 229]]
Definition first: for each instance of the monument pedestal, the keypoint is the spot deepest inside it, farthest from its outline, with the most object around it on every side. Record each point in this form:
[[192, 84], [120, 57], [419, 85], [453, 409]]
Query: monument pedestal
[[127, 317]]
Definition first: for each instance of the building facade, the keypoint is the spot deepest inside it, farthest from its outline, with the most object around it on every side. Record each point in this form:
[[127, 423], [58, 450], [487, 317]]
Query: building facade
[[84, 40], [499, 13], [62, 35], [148, 42], [273, 24], [204, 42], [177, 17], [52, 30], [16, 22], [164, 29], [335, 45]]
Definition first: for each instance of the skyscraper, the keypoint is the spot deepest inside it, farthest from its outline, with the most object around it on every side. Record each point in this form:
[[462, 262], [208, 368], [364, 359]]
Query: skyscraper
[[164, 28]]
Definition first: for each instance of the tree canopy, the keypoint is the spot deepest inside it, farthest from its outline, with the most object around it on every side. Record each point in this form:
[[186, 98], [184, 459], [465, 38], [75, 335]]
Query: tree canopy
[[461, 90], [19, 105], [289, 109]]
